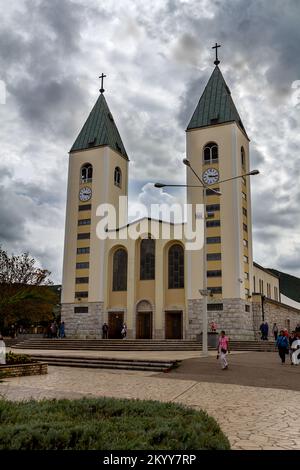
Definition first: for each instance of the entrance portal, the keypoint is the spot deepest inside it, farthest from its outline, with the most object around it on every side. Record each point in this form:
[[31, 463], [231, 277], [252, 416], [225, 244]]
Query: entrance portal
[[115, 324], [173, 327], [144, 320], [144, 325]]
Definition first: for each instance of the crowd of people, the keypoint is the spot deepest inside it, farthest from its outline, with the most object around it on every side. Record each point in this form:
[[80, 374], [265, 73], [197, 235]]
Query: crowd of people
[[288, 344], [55, 330]]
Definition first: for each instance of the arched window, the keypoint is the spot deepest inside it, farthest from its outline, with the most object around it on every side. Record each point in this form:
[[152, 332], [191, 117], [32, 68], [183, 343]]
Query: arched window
[[176, 267], [243, 159], [118, 177], [210, 153], [86, 173], [120, 270], [147, 259]]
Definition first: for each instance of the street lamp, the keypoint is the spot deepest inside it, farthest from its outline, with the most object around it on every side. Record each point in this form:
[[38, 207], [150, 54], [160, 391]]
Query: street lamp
[[204, 292]]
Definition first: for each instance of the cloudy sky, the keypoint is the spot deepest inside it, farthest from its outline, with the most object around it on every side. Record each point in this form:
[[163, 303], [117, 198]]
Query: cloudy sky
[[158, 57]]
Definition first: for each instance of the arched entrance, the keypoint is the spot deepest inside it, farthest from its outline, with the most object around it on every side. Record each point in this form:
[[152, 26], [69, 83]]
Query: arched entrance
[[144, 319], [115, 323]]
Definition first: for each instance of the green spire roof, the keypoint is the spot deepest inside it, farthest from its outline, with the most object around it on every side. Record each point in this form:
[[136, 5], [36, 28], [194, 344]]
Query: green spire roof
[[215, 105], [99, 129]]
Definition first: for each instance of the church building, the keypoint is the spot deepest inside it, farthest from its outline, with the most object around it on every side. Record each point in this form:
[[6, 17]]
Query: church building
[[154, 284]]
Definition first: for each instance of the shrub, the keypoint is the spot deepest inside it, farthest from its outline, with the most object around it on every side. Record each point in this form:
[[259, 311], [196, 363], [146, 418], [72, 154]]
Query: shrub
[[12, 358], [106, 424]]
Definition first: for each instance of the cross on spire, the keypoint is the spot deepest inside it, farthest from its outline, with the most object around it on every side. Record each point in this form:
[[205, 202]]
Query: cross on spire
[[102, 76], [216, 62]]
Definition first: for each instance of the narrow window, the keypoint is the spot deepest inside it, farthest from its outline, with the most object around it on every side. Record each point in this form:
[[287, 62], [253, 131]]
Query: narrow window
[[82, 294], [82, 280], [81, 310], [120, 270], [176, 267], [213, 256], [243, 159], [214, 273], [212, 223], [84, 222], [118, 177], [86, 173], [214, 307], [213, 240], [84, 265], [215, 290], [210, 153], [147, 259]]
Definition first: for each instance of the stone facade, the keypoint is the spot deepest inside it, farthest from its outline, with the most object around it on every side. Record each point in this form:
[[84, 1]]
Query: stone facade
[[273, 312], [83, 325], [240, 319], [234, 319], [195, 312]]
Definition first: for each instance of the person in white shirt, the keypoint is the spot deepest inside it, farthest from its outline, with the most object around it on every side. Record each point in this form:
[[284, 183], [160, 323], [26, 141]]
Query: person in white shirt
[[2, 351]]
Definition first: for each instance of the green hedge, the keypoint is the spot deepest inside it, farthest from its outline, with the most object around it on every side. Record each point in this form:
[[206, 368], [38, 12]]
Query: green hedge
[[106, 424], [12, 359]]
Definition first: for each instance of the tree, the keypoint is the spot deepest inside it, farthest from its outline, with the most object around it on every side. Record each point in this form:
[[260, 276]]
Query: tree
[[23, 284]]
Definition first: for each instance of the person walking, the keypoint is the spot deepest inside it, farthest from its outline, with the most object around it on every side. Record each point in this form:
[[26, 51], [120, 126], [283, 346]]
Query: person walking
[[223, 350], [275, 331], [292, 338], [2, 351], [282, 345], [104, 330], [266, 331], [124, 331], [62, 330], [53, 330]]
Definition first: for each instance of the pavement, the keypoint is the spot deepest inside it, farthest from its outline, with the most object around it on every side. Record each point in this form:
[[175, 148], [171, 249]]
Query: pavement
[[256, 402], [254, 369]]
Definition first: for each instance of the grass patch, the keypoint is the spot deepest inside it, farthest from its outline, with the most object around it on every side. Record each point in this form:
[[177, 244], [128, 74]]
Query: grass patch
[[106, 424]]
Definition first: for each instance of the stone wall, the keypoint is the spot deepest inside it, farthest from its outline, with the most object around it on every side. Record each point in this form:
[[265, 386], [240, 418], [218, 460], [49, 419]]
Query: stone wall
[[20, 370], [273, 312], [237, 323], [195, 312], [83, 325]]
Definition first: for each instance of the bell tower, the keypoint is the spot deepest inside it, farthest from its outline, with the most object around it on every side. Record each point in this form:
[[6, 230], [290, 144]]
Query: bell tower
[[98, 173], [218, 149]]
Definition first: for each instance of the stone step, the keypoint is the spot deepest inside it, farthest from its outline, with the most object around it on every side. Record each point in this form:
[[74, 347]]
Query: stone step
[[135, 345], [108, 363]]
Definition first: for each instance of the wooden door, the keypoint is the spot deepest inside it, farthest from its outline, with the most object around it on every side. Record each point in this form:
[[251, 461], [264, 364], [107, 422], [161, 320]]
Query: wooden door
[[144, 325], [173, 328], [115, 324]]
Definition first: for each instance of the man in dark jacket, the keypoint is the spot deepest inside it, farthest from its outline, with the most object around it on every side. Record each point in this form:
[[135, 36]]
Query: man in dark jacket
[[282, 345], [104, 331]]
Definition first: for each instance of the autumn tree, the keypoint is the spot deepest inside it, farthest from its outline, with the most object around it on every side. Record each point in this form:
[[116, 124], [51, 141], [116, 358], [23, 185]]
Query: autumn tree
[[24, 289]]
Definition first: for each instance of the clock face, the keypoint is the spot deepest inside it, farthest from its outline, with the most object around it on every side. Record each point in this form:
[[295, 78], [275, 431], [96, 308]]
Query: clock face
[[210, 176], [85, 194]]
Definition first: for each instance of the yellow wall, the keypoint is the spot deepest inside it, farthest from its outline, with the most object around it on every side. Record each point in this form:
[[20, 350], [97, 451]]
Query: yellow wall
[[104, 160], [229, 138], [267, 278]]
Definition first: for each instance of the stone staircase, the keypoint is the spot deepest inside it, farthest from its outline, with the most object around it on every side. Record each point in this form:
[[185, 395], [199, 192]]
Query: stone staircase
[[134, 345], [107, 363]]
